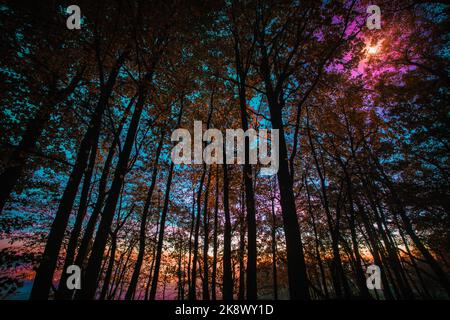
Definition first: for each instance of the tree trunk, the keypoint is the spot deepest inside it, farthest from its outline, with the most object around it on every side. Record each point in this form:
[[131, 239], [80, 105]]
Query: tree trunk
[[215, 244], [142, 234], [154, 286], [375, 250], [63, 292], [93, 267], [163, 222], [317, 244], [360, 277], [193, 289], [445, 283], [298, 280], [241, 292], [191, 231], [122, 272], [205, 283], [44, 275], [109, 269], [180, 284], [337, 271], [101, 195], [227, 293], [274, 247], [252, 293], [155, 237]]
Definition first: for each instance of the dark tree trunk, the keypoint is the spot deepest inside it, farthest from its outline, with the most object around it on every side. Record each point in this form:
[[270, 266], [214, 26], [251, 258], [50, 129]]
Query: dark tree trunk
[[109, 269], [93, 267], [113, 249], [443, 280], [122, 272], [317, 243], [360, 277], [63, 292], [205, 283], [227, 293], [274, 247], [142, 235], [252, 293], [193, 288], [337, 272], [215, 237], [101, 195], [44, 275], [375, 250], [180, 284], [298, 280], [445, 283], [191, 231], [241, 292], [392, 257], [297, 275], [155, 238], [116, 275], [426, 293], [154, 286]]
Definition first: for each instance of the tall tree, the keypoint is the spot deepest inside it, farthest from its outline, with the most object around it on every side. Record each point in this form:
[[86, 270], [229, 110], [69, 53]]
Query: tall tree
[[43, 280], [243, 54], [142, 232], [162, 225]]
